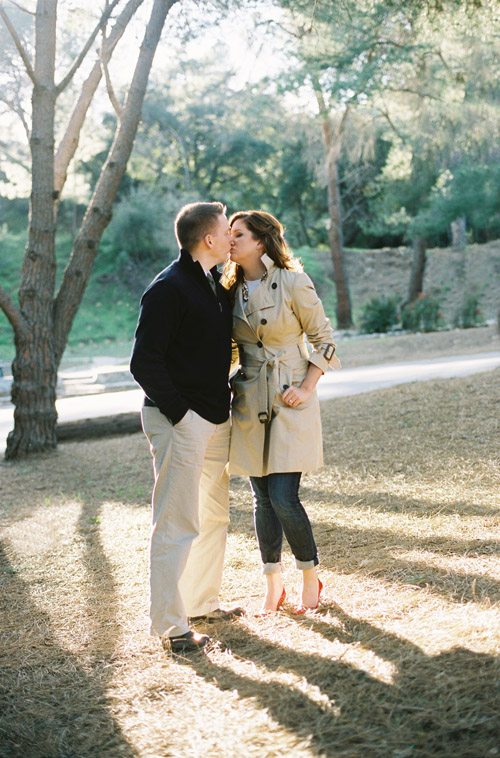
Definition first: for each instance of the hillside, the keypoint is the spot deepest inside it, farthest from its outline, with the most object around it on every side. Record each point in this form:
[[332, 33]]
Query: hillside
[[450, 275], [106, 321]]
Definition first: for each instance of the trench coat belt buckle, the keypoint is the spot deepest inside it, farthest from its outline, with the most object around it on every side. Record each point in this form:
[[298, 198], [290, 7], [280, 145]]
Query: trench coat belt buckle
[[268, 386]]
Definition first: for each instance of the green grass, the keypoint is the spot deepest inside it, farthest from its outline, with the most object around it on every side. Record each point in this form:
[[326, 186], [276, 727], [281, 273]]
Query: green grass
[[106, 320]]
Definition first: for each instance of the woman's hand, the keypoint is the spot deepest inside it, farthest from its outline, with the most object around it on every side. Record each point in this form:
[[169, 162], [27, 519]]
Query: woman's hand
[[294, 396]]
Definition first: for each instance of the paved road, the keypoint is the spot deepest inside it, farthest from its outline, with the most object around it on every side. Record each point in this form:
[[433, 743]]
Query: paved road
[[333, 384]]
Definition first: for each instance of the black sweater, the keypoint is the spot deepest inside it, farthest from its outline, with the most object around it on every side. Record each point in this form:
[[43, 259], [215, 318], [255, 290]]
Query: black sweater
[[182, 348]]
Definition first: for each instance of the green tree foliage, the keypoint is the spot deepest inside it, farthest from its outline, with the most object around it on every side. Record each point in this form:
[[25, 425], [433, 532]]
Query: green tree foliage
[[201, 137], [442, 119], [409, 89]]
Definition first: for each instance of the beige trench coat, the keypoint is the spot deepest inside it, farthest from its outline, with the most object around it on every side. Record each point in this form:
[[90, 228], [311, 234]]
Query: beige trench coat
[[267, 435]]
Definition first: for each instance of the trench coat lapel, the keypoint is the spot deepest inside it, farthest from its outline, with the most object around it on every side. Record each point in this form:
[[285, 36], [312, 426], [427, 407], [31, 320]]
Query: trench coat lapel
[[260, 299]]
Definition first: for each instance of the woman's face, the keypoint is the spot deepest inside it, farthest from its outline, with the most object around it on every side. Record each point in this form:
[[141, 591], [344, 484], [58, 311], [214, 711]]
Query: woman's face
[[245, 248]]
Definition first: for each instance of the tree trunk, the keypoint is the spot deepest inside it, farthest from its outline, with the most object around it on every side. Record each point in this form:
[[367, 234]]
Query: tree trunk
[[332, 147], [43, 324], [343, 310], [34, 369], [419, 260], [458, 233], [303, 224], [98, 213]]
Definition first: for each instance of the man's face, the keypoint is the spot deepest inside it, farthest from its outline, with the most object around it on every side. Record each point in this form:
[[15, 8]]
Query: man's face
[[220, 238]]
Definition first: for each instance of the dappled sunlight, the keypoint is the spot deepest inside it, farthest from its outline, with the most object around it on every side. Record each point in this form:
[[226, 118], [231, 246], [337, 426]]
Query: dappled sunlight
[[47, 527], [311, 636], [402, 651], [424, 518], [485, 564]]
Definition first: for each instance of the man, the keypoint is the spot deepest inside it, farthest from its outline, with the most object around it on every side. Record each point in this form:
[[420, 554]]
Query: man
[[181, 359]]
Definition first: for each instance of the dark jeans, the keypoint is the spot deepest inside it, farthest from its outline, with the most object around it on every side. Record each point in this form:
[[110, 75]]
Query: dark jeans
[[277, 509]]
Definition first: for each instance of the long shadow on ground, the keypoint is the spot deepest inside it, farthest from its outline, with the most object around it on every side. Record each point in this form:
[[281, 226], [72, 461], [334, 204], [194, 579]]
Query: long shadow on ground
[[49, 704], [445, 705]]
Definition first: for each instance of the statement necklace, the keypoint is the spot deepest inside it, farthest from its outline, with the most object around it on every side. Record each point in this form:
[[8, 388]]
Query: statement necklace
[[244, 286]]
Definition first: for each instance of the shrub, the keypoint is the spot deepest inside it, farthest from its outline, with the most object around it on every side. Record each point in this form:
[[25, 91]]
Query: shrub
[[470, 314], [423, 315], [380, 314], [141, 228]]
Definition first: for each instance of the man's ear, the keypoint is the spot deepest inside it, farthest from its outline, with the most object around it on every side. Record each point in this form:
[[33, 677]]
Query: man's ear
[[207, 239]]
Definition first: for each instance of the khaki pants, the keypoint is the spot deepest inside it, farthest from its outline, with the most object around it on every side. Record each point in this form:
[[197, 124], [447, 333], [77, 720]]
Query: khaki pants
[[190, 517]]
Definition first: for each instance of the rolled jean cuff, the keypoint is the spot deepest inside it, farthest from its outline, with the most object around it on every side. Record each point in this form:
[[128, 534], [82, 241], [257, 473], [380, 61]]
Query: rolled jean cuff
[[271, 568], [306, 565]]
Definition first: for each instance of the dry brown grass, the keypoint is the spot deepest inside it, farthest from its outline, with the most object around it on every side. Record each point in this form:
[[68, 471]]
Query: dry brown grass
[[366, 349], [402, 659]]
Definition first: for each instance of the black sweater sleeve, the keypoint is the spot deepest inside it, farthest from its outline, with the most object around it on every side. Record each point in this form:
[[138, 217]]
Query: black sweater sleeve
[[159, 318]]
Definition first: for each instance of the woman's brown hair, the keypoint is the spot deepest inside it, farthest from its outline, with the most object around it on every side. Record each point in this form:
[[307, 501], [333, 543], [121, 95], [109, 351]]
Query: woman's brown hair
[[270, 232]]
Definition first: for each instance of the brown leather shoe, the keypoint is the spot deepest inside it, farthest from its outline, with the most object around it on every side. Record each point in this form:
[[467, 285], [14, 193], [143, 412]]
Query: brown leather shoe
[[185, 642]]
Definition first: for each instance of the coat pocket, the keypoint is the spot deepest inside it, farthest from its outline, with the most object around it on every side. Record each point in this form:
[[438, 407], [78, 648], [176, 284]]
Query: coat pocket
[[285, 378]]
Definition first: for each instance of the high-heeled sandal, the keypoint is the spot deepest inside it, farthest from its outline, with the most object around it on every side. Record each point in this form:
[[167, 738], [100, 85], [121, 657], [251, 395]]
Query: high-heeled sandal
[[267, 612], [301, 609]]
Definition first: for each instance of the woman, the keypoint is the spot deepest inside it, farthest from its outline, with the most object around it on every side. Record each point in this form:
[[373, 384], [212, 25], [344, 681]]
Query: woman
[[276, 431]]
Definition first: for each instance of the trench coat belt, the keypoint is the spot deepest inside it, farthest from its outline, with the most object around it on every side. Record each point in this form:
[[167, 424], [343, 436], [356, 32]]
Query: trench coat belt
[[268, 384]]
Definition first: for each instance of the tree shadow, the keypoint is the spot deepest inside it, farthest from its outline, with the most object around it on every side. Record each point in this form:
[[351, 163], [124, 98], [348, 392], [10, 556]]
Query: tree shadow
[[51, 704], [101, 596], [444, 705], [389, 502], [347, 543]]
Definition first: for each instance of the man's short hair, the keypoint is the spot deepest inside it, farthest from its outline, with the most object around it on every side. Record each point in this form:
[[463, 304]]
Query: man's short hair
[[194, 221]]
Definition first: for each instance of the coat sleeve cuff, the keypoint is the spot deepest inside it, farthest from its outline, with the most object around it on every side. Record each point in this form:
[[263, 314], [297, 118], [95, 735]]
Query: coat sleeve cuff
[[319, 360]]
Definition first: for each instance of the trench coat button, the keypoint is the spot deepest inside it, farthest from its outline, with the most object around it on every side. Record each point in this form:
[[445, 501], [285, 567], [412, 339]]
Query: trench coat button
[[259, 344], [274, 285], [263, 321]]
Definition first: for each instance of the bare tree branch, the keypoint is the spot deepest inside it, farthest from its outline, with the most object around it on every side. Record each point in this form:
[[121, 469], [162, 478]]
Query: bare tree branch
[[22, 8], [98, 214], [78, 62], [340, 128], [69, 142], [18, 111], [385, 113], [118, 108], [17, 321], [312, 14], [19, 45], [13, 158], [411, 91]]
